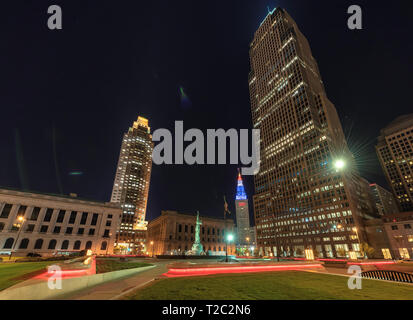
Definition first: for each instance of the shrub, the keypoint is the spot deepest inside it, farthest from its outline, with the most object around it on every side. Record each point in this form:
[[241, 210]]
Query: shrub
[[367, 250], [341, 252], [33, 254]]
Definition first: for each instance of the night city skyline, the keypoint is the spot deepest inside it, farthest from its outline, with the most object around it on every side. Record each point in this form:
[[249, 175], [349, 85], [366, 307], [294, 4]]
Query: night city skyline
[[202, 159], [69, 96]]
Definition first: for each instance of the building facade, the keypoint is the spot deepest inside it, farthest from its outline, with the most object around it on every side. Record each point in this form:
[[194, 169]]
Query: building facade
[[131, 185], [242, 214], [253, 236], [399, 229], [172, 233], [391, 236], [307, 192], [50, 224], [384, 200], [378, 239], [395, 152]]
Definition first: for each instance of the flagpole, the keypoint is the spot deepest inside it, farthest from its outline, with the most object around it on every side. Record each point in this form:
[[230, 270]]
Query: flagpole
[[226, 230], [226, 236]]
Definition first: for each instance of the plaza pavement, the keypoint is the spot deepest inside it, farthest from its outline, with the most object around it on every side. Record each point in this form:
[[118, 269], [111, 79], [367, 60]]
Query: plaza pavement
[[118, 289]]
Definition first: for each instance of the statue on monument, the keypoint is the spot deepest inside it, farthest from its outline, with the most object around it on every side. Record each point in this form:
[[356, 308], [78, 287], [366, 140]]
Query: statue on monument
[[197, 248]]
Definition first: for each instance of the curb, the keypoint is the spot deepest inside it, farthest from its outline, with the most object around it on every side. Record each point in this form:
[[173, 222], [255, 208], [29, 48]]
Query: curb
[[41, 291]]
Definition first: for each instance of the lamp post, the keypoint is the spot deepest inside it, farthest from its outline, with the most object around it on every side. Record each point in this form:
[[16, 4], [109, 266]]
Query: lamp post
[[339, 164], [229, 238], [152, 248], [357, 234], [107, 246], [358, 239], [21, 220], [248, 241]]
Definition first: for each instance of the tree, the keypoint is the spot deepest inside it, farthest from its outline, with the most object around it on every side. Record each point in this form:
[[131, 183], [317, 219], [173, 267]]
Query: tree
[[366, 250], [298, 252]]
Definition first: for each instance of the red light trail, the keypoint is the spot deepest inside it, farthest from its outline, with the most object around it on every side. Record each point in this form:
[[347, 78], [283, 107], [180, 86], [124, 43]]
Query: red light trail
[[187, 272]]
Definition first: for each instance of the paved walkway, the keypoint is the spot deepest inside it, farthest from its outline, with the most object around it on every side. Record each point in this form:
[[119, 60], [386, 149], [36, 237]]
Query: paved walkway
[[118, 288]]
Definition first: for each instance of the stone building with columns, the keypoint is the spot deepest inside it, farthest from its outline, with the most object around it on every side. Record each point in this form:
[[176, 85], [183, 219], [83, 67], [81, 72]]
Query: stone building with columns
[[173, 233], [54, 224]]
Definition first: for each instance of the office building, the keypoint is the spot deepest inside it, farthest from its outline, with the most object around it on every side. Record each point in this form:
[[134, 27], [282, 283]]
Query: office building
[[55, 225], [307, 192], [395, 152], [384, 200], [242, 214], [131, 186], [173, 233]]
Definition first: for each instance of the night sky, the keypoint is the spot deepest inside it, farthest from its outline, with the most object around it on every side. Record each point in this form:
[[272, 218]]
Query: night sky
[[67, 96]]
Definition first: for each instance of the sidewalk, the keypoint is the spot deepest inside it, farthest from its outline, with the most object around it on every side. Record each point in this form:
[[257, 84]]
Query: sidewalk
[[118, 288]]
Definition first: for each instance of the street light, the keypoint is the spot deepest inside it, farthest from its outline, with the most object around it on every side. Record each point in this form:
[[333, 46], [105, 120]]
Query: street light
[[230, 237], [358, 238], [21, 220], [339, 164], [248, 241]]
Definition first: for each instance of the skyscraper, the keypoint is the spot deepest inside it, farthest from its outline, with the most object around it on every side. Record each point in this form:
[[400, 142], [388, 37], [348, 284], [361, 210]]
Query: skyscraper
[[307, 191], [385, 202], [242, 214], [395, 152], [131, 185]]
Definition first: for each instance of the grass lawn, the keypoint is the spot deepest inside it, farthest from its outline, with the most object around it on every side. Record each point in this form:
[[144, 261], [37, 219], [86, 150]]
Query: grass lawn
[[294, 285], [13, 273], [108, 265]]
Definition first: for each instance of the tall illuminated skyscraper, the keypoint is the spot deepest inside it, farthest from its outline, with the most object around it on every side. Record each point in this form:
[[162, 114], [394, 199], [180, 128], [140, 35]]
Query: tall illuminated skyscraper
[[242, 214], [131, 185], [307, 193], [395, 152]]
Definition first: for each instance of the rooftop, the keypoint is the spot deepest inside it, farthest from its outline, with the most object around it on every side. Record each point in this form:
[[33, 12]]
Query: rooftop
[[173, 212], [56, 197], [398, 124]]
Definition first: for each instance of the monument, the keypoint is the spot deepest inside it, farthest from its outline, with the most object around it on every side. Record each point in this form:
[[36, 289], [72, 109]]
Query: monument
[[197, 248]]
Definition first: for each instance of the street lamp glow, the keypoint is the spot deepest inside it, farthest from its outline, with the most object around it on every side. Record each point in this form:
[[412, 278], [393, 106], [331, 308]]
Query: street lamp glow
[[20, 218], [339, 164], [230, 237]]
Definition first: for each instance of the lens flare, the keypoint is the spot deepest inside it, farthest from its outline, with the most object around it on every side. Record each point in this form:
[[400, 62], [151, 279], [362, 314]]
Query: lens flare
[[75, 173], [185, 102]]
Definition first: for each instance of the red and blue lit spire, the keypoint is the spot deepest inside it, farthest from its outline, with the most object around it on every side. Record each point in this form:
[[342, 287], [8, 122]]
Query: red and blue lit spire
[[241, 195]]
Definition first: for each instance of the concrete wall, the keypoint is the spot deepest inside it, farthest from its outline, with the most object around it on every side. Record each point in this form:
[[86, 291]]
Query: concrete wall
[[41, 291]]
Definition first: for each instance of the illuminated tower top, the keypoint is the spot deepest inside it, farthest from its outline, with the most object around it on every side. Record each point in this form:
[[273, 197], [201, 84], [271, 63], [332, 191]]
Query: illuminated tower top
[[241, 195]]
